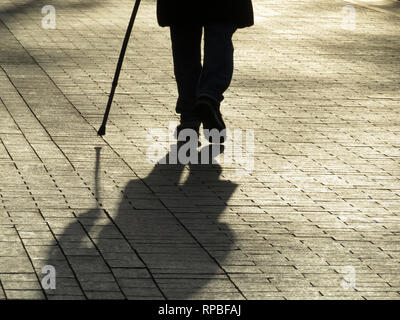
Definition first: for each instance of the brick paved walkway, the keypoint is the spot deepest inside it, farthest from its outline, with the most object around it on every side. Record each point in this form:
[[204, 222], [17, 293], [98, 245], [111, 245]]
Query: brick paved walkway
[[318, 217]]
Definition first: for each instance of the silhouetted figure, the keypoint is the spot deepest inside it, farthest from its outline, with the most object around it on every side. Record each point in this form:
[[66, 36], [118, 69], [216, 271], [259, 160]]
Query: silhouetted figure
[[201, 87], [163, 241]]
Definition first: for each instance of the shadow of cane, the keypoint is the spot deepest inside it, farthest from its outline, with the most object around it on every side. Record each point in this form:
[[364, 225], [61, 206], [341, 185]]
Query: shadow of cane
[[164, 241]]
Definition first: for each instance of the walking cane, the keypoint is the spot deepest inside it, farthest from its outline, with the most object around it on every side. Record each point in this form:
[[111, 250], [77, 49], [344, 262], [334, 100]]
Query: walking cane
[[102, 130]]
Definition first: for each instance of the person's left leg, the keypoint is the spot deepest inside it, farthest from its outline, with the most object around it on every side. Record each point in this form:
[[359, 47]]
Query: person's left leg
[[186, 50]]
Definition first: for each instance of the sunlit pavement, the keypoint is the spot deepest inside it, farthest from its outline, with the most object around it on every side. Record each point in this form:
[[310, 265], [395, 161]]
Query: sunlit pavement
[[391, 7], [316, 82]]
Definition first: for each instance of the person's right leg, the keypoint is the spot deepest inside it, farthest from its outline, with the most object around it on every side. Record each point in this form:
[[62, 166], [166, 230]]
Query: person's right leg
[[217, 71], [216, 77]]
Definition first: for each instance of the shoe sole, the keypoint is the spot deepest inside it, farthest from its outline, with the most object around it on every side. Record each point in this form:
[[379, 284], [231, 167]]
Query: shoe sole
[[211, 120]]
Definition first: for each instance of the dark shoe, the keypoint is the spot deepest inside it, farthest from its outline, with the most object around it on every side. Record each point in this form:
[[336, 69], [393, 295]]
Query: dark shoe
[[211, 117], [185, 126]]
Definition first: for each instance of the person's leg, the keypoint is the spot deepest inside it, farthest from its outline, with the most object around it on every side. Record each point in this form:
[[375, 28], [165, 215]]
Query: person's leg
[[218, 66], [186, 50], [215, 78]]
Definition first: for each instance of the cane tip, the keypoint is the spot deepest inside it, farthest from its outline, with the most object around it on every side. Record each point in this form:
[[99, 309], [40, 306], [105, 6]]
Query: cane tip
[[102, 131]]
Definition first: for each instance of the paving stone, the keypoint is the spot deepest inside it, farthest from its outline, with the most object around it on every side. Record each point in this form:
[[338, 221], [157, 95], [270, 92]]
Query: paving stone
[[24, 294]]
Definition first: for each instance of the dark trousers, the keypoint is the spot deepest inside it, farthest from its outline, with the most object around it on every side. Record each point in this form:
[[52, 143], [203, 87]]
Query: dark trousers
[[195, 80]]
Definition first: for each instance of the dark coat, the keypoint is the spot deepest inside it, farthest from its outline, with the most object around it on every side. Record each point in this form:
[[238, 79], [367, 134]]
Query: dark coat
[[185, 12]]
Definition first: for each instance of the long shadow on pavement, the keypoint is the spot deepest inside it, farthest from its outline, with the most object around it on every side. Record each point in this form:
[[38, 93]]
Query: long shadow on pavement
[[164, 241]]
